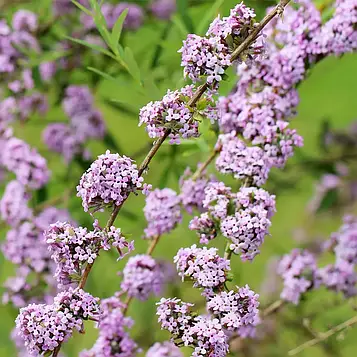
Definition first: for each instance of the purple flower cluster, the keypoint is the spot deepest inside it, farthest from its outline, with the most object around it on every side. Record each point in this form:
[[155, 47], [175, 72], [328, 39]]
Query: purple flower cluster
[[244, 162], [26, 247], [173, 113], [250, 224], [209, 56], [142, 276], [204, 266], [237, 311], [298, 270], [202, 333], [73, 248], [163, 9], [26, 163], [113, 339], [164, 349], [44, 327], [108, 181], [21, 100], [13, 204], [243, 217], [341, 275], [162, 212], [193, 191], [85, 123], [338, 35]]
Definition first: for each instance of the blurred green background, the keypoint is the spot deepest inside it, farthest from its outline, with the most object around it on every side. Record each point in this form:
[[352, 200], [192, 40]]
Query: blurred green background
[[329, 92]]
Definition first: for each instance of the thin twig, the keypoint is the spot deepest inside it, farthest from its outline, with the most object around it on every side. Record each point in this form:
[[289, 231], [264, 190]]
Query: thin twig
[[274, 307], [323, 336], [204, 166]]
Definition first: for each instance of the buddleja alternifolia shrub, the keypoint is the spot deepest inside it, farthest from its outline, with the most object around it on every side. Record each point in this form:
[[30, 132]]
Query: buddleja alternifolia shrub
[[54, 255]]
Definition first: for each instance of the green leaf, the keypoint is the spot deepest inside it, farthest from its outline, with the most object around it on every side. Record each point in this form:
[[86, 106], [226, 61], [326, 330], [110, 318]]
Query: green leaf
[[182, 9], [122, 107], [100, 22], [91, 46], [100, 73], [116, 32], [133, 67], [83, 8], [151, 90], [207, 18], [329, 200], [41, 195]]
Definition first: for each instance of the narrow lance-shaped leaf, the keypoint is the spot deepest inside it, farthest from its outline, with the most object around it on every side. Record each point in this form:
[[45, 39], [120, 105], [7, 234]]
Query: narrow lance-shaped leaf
[[116, 32], [82, 8]]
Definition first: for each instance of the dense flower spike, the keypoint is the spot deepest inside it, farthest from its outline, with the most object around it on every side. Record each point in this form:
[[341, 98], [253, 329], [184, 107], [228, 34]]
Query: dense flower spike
[[236, 310], [210, 56], [206, 227], [193, 191], [339, 35], [174, 315], [204, 266], [338, 278], [250, 224], [13, 205], [244, 162], [73, 248], [113, 339], [162, 212], [173, 113], [142, 276], [298, 270], [108, 181], [79, 303], [28, 165], [44, 327], [85, 122]]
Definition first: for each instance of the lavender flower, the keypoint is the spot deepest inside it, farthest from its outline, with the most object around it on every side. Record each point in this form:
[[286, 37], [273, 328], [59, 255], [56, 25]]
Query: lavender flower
[[113, 339], [193, 191], [13, 205], [174, 315], [250, 223], [244, 162], [73, 248], [162, 212], [164, 349], [203, 57], [142, 276], [236, 310], [298, 270], [163, 9], [79, 303], [108, 181], [28, 165], [43, 328], [338, 278], [173, 113], [60, 137], [206, 227], [24, 20], [204, 266]]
